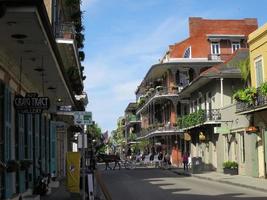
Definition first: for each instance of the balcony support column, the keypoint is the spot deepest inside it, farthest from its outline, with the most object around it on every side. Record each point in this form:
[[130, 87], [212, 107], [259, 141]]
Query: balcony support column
[[221, 82], [174, 111]]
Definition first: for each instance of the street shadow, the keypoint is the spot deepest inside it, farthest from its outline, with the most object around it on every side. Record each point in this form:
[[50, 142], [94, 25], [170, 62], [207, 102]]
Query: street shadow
[[150, 184]]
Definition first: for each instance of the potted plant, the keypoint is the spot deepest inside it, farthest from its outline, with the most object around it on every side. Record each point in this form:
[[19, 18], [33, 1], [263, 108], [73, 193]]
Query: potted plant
[[263, 89], [12, 166], [230, 167], [25, 164], [247, 95]]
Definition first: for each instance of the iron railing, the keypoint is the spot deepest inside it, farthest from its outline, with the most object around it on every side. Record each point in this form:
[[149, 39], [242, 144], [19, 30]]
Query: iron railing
[[219, 57], [66, 30], [260, 101]]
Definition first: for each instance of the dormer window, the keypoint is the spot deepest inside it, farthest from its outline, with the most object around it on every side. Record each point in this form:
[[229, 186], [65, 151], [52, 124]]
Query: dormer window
[[235, 46], [187, 52]]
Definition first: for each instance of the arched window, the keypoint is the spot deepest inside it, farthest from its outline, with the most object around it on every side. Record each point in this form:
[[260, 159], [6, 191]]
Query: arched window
[[187, 52]]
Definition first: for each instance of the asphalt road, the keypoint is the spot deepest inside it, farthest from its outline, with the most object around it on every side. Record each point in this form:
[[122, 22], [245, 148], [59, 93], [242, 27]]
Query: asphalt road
[[158, 184]]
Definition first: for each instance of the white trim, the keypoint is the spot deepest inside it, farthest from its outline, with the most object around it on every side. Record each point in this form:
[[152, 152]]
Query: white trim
[[235, 43], [64, 41], [219, 48]]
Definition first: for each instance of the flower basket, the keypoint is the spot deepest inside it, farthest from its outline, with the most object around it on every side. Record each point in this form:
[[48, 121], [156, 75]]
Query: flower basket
[[12, 166], [230, 167], [25, 164]]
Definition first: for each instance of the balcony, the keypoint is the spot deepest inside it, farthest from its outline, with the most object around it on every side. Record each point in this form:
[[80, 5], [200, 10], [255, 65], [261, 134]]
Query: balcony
[[259, 103], [66, 31], [219, 57], [200, 117], [132, 119], [158, 92], [159, 130]]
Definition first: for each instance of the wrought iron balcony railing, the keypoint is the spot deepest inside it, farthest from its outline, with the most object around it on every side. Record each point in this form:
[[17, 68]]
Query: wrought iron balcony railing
[[199, 117], [66, 31], [159, 91], [219, 57], [153, 128], [259, 102]]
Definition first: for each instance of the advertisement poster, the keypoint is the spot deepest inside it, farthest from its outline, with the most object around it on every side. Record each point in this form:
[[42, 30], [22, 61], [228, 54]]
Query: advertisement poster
[[73, 171]]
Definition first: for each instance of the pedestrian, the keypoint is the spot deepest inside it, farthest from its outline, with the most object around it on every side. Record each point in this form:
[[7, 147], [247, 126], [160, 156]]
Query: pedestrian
[[185, 161]]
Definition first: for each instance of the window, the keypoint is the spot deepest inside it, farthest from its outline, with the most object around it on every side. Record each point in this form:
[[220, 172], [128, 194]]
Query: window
[[259, 71], [215, 48], [235, 46], [187, 53]]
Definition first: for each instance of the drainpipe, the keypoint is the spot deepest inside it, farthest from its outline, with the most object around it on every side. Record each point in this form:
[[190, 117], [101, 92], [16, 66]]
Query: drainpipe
[[221, 79]]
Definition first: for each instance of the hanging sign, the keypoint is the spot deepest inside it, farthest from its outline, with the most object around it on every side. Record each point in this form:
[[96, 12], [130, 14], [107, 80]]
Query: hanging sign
[[82, 118], [31, 103]]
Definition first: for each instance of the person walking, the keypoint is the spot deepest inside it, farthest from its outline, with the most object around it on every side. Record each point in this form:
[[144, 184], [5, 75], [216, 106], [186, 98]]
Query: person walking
[[185, 161]]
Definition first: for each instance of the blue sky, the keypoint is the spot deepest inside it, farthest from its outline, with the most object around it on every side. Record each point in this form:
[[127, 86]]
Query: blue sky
[[123, 38]]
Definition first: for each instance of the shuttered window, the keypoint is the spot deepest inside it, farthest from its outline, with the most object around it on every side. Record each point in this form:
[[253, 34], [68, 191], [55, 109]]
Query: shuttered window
[[259, 72]]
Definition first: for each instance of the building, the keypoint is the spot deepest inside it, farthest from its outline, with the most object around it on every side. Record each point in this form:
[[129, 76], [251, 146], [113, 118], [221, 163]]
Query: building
[[40, 72], [253, 105], [160, 103]]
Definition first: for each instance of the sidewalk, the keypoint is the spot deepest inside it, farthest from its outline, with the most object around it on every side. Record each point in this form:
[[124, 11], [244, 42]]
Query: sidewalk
[[59, 193], [238, 180]]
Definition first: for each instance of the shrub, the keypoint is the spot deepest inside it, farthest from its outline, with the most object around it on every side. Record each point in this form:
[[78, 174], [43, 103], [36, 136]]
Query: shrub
[[230, 165]]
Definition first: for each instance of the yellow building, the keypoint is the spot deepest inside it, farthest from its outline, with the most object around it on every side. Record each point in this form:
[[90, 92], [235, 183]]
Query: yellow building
[[258, 56], [258, 111]]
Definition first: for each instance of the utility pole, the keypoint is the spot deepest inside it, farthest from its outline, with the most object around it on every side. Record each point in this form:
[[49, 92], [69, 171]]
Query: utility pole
[[83, 160]]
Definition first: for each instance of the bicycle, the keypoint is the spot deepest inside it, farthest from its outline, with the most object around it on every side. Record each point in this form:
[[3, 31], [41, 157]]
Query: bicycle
[[129, 163]]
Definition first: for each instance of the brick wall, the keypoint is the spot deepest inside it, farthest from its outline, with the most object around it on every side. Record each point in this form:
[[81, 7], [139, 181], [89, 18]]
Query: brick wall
[[198, 30]]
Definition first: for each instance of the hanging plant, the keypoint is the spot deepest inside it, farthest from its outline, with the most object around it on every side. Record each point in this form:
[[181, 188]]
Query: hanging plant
[[81, 55]]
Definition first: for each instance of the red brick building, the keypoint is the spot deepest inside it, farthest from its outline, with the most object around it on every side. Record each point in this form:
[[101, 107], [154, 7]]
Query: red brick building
[[214, 37]]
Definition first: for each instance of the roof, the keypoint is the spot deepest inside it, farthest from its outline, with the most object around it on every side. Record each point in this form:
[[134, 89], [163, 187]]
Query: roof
[[131, 107], [228, 69]]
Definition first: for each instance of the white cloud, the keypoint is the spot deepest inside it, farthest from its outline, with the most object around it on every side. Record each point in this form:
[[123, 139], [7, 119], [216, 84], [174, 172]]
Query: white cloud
[[114, 72], [125, 91]]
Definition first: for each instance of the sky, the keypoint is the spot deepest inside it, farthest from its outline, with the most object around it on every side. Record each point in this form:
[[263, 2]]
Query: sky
[[124, 38]]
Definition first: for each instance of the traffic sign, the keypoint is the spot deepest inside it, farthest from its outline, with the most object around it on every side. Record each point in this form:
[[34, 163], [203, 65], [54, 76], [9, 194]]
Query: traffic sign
[[83, 118]]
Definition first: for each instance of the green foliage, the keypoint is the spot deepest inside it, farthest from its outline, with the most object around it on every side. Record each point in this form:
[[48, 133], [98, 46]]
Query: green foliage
[[94, 130], [192, 119], [263, 89], [132, 137], [247, 95], [230, 165], [244, 66], [143, 144]]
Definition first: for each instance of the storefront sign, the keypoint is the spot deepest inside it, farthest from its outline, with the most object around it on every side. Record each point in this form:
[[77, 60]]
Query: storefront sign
[[31, 103]]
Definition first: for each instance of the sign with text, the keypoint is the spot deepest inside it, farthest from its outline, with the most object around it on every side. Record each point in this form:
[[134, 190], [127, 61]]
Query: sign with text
[[31, 103], [83, 118]]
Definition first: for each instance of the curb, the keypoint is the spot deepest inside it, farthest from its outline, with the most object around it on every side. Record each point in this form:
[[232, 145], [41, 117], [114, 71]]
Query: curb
[[231, 183], [220, 181]]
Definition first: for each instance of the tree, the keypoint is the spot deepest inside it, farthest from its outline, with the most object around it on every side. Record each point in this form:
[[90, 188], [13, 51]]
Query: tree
[[244, 66]]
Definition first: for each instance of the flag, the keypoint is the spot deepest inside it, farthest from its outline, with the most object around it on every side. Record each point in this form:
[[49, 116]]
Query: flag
[[105, 137]]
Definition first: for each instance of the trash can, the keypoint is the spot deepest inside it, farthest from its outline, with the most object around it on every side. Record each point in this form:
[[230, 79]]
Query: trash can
[[197, 165]]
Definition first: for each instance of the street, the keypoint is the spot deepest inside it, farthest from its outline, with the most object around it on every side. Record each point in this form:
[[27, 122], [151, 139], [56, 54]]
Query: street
[[146, 184]]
